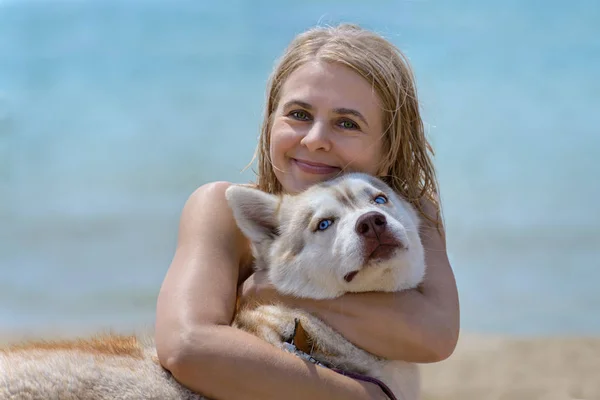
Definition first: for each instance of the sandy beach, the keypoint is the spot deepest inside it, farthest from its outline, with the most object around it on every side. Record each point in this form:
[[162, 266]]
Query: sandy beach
[[499, 368]]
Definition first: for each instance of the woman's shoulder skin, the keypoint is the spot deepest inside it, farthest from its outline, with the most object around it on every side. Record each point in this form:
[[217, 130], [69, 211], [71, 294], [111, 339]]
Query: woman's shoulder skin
[[211, 259], [207, 217]]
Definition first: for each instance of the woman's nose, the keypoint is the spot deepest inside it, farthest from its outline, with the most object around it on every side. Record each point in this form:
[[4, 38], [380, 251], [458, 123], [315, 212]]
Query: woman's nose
[[317, 137]]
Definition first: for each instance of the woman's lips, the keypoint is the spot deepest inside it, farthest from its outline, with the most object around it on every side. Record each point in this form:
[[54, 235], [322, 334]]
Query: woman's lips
[[314, 168]]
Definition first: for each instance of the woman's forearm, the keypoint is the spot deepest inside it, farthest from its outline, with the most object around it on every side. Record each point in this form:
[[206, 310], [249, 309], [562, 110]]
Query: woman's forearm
[[400, 326], [227, 363]]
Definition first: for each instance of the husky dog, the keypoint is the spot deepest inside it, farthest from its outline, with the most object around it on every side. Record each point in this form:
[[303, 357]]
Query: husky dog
[[349, 234]]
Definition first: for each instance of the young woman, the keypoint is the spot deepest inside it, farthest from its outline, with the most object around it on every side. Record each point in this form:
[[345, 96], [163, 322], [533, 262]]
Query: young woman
[[340, 99]]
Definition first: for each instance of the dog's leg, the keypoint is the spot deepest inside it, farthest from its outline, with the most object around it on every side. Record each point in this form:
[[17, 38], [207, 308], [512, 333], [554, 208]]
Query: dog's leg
[[271, 323]]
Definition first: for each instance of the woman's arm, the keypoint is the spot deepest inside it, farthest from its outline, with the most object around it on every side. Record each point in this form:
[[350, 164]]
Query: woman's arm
[[196, 305], [414, 325]]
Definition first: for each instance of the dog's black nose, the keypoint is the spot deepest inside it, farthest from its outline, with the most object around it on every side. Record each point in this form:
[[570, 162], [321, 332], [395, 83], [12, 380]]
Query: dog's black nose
[[371, 224]]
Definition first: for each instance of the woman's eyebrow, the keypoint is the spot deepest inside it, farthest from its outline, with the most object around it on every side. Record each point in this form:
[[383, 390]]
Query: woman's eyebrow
[[295, 102], [350, 111]]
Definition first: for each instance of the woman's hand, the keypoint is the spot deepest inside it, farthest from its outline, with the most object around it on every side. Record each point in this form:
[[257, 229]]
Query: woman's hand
[[257, 288]]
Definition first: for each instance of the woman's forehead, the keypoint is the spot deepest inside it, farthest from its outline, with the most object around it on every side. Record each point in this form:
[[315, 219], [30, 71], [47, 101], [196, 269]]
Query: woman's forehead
[[330, 85]]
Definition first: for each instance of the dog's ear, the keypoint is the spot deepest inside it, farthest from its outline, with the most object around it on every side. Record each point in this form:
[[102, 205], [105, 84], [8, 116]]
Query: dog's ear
[[254, 211]]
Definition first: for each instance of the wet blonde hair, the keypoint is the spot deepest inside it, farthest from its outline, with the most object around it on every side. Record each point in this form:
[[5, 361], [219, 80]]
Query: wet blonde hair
[[407, 162]]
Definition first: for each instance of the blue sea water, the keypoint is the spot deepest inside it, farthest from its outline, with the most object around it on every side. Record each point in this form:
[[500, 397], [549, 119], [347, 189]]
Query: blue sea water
[[112, 113]]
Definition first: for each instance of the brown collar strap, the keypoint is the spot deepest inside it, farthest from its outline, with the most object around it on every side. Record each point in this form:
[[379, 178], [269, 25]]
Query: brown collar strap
[[299, 344]]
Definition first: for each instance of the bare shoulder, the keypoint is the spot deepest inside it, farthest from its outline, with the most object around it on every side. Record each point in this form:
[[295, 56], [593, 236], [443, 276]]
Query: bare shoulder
[[206, 214], [211, 255], [211, 195], [208, 229]]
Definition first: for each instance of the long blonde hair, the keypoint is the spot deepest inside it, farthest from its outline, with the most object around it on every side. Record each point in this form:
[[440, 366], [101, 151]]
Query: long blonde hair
[[407, 163]]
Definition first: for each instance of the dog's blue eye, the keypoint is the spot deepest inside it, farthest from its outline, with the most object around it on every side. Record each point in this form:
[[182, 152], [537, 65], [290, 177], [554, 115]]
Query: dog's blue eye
[[324, 224], [380, 199]]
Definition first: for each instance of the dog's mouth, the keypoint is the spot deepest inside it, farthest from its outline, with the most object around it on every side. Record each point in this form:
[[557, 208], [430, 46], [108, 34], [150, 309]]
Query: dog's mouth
[[350, 276], [381, 249], [381, 252]]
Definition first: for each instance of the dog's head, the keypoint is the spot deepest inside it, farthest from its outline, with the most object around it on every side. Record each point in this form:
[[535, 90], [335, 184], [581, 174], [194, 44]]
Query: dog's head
[[350, 234]]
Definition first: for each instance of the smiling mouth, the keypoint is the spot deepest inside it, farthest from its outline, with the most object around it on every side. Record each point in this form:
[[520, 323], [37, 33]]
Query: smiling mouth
[[314, 168]]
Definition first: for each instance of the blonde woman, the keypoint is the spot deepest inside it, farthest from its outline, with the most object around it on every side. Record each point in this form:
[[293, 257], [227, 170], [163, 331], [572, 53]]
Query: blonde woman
[[340, 99]]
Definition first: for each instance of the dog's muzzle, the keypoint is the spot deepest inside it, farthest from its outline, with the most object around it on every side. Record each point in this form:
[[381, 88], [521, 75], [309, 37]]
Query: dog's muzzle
[[379, 243]]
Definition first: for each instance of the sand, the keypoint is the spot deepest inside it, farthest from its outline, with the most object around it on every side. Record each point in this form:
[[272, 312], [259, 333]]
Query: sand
[[503, 368], [494, 368]]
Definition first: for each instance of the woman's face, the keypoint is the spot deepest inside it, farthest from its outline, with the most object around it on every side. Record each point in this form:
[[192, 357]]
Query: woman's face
[[328, 120]]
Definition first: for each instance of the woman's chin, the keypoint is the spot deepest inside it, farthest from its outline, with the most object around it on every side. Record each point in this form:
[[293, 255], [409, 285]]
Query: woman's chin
[[297, 185]]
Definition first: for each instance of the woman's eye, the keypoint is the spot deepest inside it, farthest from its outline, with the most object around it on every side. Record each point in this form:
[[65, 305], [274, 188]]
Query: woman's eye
[[347, 124], [381, 199], [324, 224], [300, 115]]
